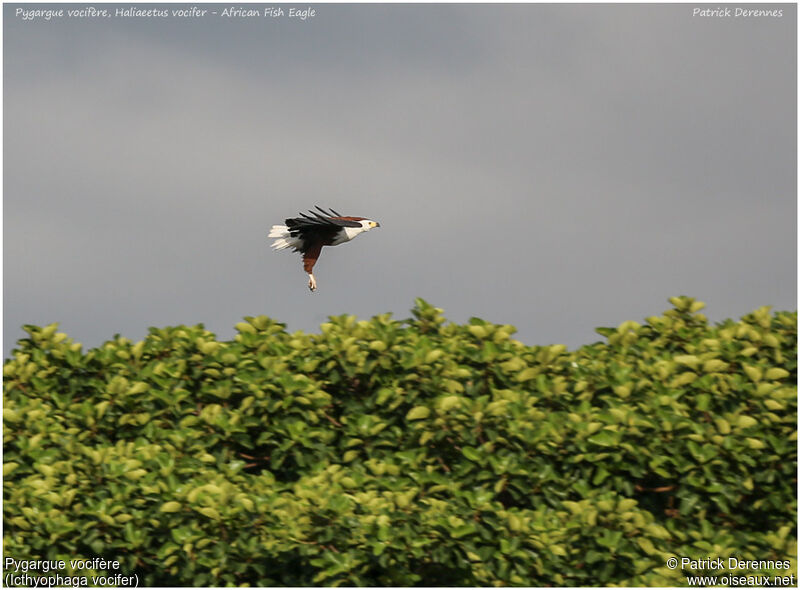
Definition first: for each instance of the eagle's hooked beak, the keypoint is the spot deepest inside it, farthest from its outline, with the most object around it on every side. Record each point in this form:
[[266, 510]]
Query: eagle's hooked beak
[[374, 224]]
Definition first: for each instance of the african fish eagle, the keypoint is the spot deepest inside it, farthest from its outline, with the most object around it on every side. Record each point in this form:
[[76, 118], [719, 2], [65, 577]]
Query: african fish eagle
[[309, 233]]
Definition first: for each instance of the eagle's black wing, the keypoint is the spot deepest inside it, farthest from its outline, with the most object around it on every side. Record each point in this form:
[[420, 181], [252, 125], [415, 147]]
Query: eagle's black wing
[[316, 221]]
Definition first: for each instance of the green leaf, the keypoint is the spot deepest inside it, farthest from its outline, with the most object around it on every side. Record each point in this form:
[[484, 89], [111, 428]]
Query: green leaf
[[776, 373], [472, 454], [449, 402], [755, 443], [714, 366], [723, 425], [527, 374], [418, 413], [754, 373], [689, 360], [605, 438], [746, 421]]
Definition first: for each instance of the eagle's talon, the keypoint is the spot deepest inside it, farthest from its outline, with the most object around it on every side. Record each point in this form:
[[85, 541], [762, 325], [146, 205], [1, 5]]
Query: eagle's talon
[[312, 283]]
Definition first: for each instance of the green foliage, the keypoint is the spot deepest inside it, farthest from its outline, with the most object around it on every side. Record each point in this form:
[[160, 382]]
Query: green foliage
[[414, 452]]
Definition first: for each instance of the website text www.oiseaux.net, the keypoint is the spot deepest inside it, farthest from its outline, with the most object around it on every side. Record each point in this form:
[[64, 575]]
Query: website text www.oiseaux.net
[[731, 578]]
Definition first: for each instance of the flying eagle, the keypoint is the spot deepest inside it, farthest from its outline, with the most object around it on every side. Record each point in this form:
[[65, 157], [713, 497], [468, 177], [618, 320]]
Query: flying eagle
[[309, 233]]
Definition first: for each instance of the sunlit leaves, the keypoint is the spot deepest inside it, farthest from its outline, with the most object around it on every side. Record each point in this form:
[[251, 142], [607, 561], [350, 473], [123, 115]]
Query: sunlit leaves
[[405, 452]]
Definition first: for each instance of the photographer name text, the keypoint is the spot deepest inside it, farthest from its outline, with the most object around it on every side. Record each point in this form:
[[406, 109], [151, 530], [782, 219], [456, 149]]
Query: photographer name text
[[737, 12]]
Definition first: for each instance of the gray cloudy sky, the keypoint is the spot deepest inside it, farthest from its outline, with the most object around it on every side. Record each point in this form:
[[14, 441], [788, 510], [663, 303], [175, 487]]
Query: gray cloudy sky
[[555, 167]]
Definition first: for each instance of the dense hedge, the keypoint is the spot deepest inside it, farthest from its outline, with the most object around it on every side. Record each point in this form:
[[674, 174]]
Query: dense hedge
[[414, 452]]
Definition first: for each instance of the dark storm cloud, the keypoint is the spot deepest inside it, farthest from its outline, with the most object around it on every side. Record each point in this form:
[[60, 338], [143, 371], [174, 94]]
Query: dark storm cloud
[[556, 167]]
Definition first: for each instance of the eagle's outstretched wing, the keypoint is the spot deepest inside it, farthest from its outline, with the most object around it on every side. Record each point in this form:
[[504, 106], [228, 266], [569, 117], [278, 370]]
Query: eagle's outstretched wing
[[316, 221]]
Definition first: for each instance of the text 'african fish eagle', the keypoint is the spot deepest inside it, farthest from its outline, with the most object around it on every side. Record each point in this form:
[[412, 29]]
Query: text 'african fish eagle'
[[307, 234]]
